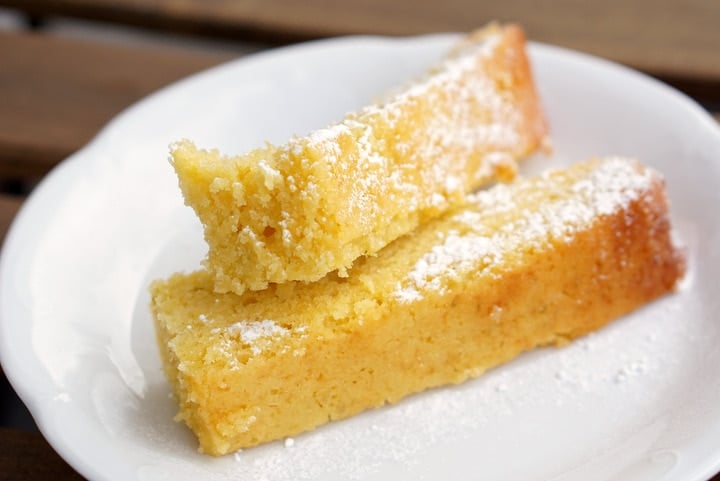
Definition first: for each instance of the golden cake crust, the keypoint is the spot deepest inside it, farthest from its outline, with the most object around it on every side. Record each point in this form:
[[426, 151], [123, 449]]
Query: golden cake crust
[[314, 205], [467, 291]]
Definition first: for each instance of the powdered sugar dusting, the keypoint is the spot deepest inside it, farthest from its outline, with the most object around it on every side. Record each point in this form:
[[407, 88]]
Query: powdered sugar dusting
[[252, 331], [257, 334], [470, 117], [606, 189], [456, 255], [613, 185]]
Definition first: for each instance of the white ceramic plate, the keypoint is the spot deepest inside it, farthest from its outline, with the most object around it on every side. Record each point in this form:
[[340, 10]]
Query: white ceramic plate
[[639, 400]]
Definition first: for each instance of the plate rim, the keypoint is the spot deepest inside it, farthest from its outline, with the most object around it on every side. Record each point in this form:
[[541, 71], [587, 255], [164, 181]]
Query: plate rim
[[36, 400]]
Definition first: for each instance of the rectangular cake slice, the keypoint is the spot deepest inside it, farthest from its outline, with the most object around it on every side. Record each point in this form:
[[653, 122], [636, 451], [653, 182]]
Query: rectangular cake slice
[[537, 262], [315, 204]]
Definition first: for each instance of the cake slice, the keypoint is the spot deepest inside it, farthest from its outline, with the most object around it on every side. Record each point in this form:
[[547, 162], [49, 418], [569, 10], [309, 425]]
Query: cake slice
[[536, 262], [317, 203]]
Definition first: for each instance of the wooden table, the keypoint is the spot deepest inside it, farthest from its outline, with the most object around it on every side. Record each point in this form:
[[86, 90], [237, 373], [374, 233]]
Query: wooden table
[[57, 90]]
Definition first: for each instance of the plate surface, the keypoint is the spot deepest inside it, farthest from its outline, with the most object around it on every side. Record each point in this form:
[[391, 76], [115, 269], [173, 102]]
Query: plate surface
[[639, 400]]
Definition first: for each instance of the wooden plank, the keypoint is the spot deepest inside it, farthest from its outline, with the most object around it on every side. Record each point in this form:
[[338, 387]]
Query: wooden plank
[[13, 413], [58, 92], [664, 37], [704, 91], [9, 205], [26, 455]]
